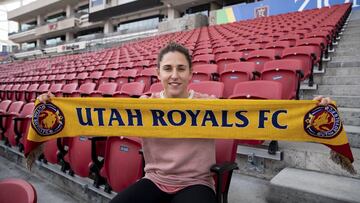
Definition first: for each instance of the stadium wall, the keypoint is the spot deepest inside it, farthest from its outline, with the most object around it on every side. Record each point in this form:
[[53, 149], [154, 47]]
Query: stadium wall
[[270, 7]]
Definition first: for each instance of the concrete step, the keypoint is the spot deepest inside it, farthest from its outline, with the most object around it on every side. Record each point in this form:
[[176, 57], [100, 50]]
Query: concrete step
[[343, 71], [301, 155], [295, 185], [346, 90], [337, 64], [347, 52], [341, 100], [351, 58], [350, 116], [337, 80], [247, 189], [353, 134]]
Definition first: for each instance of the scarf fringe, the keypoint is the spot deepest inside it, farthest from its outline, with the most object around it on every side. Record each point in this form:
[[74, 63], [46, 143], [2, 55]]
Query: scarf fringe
[[33, 155], [343, 161]]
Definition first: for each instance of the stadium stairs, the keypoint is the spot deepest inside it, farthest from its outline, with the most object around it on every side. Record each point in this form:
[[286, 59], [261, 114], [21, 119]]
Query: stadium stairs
[[309, 174]]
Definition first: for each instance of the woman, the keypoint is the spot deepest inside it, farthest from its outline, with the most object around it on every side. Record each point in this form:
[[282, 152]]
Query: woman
[[176, 170]]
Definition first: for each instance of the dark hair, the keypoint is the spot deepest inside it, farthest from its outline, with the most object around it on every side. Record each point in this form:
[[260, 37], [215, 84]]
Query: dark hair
[[173, 47]]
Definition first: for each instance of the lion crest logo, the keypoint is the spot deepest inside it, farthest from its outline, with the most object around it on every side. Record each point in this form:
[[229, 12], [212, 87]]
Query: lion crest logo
[[47, 119], [323, 122]]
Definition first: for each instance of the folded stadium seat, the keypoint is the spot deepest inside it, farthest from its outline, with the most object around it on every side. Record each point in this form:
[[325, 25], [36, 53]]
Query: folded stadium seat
[[208, 87], [3, 93], [307, 55], [205, 72], [123, 163], [236, 72], [80, 69], [5, 117], [20, 93], [16, 128], [42, 79], [17, 191], [320, 47], [259, 57], [2, 88], [126, 76], [94, 77], [100, 67], [292, 38], [109, 76], [220, 50], [79, 155], [105, 90], [147, 76], [278, 45], [112, 66], [84, 90], [263, 41], [133, 89], [31, 95], [59, 79], [68, 78], [202, 51], [90, 68], [288, 72], [11, 93], [80, 78], [51, 79], [225, 58], [259, 89], [34, 79], [154, 88], [4, 105], [203, 59], [141, 65], [224, 167], [246, 49]]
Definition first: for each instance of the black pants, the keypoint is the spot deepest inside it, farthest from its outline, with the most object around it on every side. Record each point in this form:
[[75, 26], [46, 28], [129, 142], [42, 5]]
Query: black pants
[[145, 191]]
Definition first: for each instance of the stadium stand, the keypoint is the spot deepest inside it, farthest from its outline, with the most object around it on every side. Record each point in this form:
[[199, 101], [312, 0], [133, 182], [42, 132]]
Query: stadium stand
[[263, 58]]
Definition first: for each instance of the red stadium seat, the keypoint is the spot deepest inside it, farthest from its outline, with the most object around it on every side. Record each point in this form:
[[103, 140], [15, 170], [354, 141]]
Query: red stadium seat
[[204, 72], [134, 89], [109, 76], [67, 90], [147, 76], [203, 59], [208, 87], [288, 72], [122, 154], [234, 73], [105, 90], [17, 191], [126, 76], [223, 59], [156, 87], [259, 57], [224, 167], [304, 53], [19, 124], [84, 90], [20, 94], [6, 117], [258, 89]]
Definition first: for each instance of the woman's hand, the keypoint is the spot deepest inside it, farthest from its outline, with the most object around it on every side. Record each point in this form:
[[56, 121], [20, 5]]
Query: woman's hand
[[46, 97], [323, 101]]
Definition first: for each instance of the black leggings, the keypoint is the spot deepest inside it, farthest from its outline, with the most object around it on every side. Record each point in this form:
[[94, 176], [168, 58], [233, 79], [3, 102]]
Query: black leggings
[[145, 191]]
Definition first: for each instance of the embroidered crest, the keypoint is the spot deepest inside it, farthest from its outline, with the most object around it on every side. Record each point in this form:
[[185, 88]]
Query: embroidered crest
[[47, 119], [323, 122]]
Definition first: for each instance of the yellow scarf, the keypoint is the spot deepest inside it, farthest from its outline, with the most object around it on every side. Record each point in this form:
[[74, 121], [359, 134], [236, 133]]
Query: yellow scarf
[[290, 120]]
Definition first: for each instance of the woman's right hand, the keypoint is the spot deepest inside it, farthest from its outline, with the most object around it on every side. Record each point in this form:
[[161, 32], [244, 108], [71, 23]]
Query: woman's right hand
[[46, 97]]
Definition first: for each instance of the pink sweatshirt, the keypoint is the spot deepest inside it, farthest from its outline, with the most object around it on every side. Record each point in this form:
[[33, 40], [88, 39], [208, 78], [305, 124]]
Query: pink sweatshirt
[[173, 164]]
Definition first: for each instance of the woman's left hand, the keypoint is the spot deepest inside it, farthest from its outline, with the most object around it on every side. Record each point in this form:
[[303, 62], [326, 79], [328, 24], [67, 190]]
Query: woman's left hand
[[323, 101]]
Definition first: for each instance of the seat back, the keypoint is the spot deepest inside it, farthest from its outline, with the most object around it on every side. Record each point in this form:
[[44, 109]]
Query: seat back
[[17, 190], [122, 162], [208, 87]]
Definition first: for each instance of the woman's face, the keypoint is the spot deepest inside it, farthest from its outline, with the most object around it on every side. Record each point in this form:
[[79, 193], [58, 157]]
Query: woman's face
[[174, 74]]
